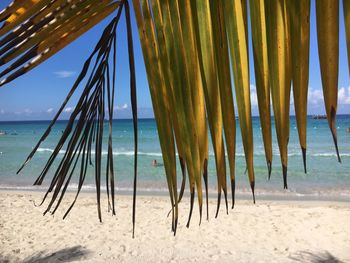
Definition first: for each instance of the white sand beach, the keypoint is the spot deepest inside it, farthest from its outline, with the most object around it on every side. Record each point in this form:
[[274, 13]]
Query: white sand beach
[[269, 231]]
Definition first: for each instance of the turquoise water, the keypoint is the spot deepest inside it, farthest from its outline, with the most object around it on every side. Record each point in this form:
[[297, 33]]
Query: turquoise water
[[325, 175]]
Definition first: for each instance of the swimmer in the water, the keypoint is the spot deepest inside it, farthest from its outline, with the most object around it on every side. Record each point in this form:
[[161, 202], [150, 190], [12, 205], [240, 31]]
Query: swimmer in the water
[[154, 163]]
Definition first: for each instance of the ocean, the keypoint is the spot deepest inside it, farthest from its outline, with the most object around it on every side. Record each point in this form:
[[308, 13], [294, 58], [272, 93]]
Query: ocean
[[325, 178]]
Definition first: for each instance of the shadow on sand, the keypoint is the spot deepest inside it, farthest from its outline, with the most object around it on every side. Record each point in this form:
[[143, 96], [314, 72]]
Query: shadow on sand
[[323, 257], [63, 255]]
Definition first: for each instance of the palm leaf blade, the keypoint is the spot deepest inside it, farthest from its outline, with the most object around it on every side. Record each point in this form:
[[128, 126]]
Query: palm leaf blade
[[327, 18]]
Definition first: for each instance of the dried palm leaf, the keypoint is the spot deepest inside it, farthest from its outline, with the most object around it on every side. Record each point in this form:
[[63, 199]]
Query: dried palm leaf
[[85, 128], [43, 50], [20, 11], [59, 26]]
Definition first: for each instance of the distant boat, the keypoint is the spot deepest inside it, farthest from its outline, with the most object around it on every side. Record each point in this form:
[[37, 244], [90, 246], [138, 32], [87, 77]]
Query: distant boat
[[2, 133], [319, 117]]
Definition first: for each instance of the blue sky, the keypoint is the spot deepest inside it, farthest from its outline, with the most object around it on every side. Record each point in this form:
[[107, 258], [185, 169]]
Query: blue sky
[[37, 95]]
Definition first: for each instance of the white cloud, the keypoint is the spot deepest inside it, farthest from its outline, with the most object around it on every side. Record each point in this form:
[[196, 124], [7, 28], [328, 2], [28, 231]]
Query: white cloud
[[315, 100], [253, 96], [68, 109], [49, 110], [315, 96], [344, 95], [64, 74], [2, 111], [28, 111], [122, 107]]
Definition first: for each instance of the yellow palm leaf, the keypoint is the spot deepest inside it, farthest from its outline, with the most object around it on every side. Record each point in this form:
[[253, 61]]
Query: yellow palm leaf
[[157, 90], [346, 9], [327, 17], [227, 105], [300, 40], [261, 67], [236, 31], [205, 35], [279, 73]]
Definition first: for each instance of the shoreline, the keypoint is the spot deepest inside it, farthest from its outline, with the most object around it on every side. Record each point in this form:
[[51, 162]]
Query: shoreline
[[330, 196]]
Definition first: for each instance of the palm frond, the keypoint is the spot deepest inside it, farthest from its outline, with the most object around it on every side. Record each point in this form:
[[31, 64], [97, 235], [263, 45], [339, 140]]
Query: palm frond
[[85, 128], [189, 49], [55, 30]]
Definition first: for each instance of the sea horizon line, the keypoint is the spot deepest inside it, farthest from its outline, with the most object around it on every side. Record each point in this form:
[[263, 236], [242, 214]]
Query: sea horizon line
[[148, 118]]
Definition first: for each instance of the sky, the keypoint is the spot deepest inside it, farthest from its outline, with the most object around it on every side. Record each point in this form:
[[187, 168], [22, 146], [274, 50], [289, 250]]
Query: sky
[[38, 94]]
